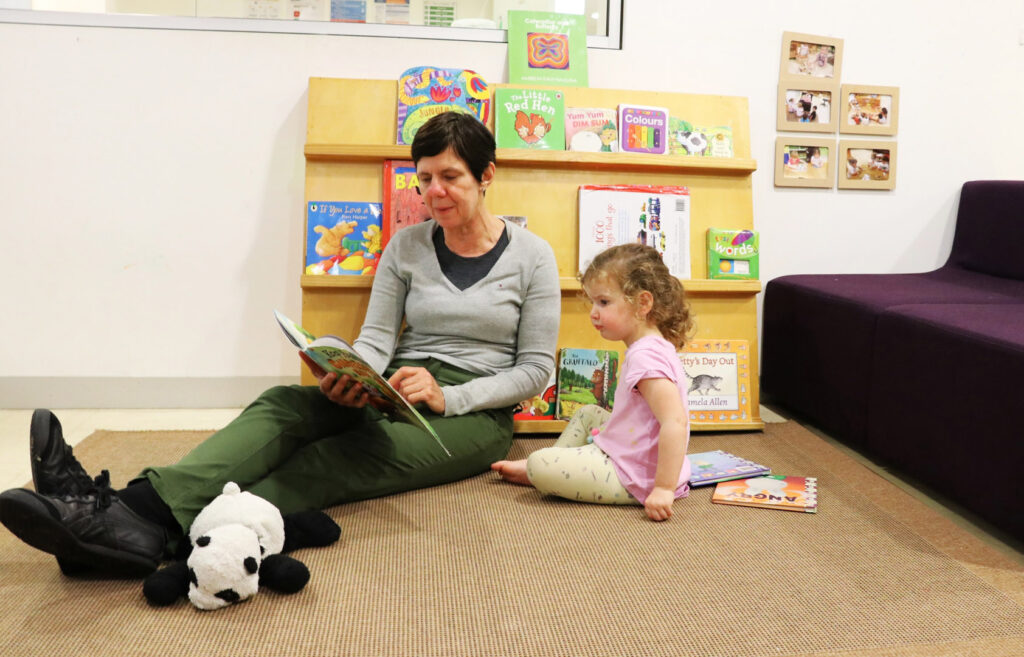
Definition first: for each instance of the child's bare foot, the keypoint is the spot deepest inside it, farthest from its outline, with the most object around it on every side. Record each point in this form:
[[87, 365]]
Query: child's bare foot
[[512, 471]]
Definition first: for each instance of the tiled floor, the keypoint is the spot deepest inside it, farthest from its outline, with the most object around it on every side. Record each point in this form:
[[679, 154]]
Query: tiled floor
[[79, 423]]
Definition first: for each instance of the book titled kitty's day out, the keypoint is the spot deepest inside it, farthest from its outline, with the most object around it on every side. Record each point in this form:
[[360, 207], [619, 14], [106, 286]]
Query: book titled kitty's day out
[[718, 381]]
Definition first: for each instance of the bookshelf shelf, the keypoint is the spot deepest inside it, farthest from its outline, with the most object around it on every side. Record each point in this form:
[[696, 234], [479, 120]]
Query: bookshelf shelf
[[547, 159], [345, 150]]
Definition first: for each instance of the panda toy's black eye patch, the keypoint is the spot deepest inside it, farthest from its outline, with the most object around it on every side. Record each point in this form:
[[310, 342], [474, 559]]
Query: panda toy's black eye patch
[[250, 565], [228, 595], [202, 541]]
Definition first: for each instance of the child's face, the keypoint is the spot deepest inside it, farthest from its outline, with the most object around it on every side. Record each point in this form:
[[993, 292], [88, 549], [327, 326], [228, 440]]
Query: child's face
[[614, 317]]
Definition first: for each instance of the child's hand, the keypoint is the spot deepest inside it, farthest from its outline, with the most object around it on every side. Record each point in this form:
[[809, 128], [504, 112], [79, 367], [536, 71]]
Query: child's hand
[[658, 504]]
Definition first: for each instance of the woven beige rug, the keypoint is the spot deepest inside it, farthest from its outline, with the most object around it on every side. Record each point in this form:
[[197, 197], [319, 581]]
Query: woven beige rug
[[485, 568]]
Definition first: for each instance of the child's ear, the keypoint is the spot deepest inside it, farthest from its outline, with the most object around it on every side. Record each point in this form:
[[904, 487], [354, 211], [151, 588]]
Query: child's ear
[[644, 303]]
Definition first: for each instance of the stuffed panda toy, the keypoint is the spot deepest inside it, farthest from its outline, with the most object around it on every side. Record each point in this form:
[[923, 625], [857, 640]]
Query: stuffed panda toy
[[237, 542]]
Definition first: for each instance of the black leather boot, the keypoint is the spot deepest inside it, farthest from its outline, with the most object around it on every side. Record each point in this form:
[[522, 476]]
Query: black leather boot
[[55, 470], [96, 530]]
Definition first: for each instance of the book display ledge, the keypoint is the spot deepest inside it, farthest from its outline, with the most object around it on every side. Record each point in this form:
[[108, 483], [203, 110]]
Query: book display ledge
[[345, 152]]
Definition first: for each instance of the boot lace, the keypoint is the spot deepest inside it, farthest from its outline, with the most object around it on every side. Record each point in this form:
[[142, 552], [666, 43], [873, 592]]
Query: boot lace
[[101, 489]]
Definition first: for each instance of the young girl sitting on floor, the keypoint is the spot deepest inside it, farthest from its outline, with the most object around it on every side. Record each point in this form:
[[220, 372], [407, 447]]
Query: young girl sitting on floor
[[638, 453]]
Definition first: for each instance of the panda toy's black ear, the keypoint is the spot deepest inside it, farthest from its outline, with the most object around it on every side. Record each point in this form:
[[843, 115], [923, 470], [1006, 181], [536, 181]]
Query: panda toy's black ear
[[165, 586], [283, 574]]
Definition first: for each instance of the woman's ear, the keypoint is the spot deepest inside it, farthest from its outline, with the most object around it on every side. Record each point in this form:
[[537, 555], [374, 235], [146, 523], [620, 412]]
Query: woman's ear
[[487, 177]]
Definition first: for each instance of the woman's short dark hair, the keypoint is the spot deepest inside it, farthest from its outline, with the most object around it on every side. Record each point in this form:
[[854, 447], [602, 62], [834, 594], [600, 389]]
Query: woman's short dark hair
[[463, 133]]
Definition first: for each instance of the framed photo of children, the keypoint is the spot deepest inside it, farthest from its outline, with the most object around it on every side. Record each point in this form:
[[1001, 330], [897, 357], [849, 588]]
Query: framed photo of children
[[806, 56], [867, 164], [808, 106], [805, 162], [869, 110]]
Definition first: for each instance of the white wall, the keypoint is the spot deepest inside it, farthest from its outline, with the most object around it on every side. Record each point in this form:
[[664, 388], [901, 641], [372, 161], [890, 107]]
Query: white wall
[[151, 181]]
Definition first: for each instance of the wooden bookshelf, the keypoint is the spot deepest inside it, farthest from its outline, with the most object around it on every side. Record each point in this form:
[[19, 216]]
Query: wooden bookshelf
[[347, 141]]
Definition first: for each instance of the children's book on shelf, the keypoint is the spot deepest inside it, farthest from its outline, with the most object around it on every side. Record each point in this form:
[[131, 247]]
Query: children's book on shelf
[[540, 406], [586, 376], [770, 492], [529, 118], [643, 129], [547, 48], [403, 206], [684, 138], [426, 91], [658, 216], [591, 129], [718, 376], [329, 353], [718, 465], [733, 254], [342, 237], [348, 11]]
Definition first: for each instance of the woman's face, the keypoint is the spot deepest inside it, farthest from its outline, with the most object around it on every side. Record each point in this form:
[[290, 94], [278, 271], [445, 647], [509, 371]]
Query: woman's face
[[451, 193]]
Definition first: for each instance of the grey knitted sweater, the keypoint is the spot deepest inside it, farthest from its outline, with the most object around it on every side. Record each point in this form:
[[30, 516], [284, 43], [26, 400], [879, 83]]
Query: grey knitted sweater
[[504, 327]]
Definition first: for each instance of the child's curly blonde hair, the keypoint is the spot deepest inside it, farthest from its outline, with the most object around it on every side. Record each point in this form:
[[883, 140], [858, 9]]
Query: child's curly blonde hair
[[637, 268]]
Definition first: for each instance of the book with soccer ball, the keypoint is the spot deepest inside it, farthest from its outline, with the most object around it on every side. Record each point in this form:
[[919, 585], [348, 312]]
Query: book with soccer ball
[[770, 492], [713, 467], [329, 353]]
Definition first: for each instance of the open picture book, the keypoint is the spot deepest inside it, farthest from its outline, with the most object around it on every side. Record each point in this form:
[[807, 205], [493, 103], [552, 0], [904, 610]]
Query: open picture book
[[329, 353]]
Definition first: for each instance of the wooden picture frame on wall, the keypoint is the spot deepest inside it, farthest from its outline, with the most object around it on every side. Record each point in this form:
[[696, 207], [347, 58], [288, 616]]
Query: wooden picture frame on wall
[[868, 110], [804, 161], [866, 164], [808, 56], [808, 106]]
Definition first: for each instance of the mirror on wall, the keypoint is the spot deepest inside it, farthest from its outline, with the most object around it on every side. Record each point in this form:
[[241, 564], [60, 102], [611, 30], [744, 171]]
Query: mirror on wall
[[471, 20]]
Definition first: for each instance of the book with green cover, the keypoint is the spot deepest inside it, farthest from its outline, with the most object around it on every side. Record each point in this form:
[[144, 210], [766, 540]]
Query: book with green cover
[[329, 353], [547, 48], [733, 254], [586, 376], [529, 118]]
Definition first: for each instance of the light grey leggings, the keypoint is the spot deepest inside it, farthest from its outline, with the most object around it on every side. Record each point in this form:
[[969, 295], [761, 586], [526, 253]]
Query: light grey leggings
[[574, 467]]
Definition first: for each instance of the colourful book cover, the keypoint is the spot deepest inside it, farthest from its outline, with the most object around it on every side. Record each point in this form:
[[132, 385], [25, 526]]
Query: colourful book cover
[[342, 237], [718, 376], [658, 216], [539, 407], [529, 118], [426, 91], [403, 206], [643, 129], [586, 376], [684, 138], [770, 492], [591, 129], [718, 465], [733, 254], [547, 48], [329, 353]]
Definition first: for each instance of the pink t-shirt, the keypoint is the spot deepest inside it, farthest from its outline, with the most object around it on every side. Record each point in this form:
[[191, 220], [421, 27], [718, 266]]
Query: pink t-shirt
[[630, 438]]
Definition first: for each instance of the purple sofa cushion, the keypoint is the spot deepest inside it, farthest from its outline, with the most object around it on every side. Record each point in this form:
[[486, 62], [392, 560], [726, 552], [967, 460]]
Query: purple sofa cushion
[[946, 387], [876, 292], [990, 228]]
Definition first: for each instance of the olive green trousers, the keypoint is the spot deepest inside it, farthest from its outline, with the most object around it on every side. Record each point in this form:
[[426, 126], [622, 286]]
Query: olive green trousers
[[299, 450]]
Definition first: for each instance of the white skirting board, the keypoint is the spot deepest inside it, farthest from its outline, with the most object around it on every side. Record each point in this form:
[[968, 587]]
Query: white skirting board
[[128, 392]]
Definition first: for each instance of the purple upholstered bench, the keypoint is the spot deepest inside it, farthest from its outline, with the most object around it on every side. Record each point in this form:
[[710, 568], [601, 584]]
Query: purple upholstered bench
[[947, 403], [822, 352]]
